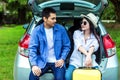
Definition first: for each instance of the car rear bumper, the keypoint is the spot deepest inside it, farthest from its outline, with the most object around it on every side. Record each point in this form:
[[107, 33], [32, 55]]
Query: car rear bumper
[[110, 74], [22, 69], [112, 69]]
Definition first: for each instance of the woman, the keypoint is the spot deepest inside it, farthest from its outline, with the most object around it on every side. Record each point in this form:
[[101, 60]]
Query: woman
[[85, 44]]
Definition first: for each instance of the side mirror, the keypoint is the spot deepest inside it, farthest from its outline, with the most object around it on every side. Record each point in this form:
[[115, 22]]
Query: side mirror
[[25, 26]]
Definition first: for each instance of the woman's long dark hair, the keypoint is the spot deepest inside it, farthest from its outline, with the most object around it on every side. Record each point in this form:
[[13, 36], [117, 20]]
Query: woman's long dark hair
[[92, 29]]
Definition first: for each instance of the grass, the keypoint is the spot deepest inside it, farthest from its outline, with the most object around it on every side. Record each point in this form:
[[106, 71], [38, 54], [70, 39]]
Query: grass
[[9, 38]]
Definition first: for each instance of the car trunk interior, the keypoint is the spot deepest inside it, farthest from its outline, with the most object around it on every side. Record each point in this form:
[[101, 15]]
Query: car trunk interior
[[72, 24]]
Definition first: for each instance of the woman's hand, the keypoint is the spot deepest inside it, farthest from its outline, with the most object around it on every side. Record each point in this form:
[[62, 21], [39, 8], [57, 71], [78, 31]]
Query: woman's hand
[[88, 61]]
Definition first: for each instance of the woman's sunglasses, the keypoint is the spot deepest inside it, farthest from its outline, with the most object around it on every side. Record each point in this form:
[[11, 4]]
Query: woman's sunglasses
[[84, 22]]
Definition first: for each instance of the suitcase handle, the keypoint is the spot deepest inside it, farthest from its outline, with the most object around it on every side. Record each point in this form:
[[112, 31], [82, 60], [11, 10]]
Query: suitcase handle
[[88, 67]]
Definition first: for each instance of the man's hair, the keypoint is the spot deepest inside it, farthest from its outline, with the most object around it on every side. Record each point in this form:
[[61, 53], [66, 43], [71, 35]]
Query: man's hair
[[46, 12]]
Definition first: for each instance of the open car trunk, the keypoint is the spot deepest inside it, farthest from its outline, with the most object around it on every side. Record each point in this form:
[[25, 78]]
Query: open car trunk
[[69, 8]]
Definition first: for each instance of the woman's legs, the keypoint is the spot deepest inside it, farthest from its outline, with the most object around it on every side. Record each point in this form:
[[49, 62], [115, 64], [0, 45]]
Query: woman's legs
[[69, 72]]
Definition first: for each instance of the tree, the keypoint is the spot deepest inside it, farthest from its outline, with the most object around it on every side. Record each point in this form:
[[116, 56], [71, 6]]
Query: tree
[[2, 10], [109, 10], [116, 4], [18, 9]]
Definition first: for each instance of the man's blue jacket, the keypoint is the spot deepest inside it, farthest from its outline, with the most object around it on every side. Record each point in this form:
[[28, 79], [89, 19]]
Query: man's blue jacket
[[38, 50]]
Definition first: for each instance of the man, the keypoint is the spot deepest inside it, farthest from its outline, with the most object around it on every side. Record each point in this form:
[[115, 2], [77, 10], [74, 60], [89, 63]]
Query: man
[[49, 47]]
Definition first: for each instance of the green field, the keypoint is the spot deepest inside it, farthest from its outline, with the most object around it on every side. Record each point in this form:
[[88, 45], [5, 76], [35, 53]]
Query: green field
[[9, 38]]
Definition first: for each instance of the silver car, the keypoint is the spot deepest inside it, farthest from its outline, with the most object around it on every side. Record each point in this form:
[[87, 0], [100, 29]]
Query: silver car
[[67, 12]]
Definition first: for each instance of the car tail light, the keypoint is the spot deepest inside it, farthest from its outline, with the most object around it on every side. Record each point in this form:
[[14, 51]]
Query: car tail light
[[23, 45], [109, 45]]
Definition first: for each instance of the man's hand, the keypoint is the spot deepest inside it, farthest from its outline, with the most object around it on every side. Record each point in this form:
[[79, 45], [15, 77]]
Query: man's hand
[[59, 63], [36, 70]]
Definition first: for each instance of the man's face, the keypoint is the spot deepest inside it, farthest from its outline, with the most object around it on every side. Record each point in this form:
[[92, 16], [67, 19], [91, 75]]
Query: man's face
[[50, 21]]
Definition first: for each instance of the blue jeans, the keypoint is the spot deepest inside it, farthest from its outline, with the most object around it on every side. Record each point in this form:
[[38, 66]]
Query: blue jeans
[[59, 73], [69, 72]]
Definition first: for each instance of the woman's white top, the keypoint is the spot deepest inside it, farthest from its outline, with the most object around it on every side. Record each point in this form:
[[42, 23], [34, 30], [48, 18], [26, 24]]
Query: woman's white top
[[77, 59]]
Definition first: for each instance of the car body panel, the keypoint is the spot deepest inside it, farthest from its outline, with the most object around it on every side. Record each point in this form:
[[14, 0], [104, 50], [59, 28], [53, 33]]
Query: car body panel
[[21, 67], [110, 74]]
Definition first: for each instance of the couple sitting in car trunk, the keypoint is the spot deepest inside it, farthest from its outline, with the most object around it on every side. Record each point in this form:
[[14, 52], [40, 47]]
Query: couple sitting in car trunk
[[49, 46]]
